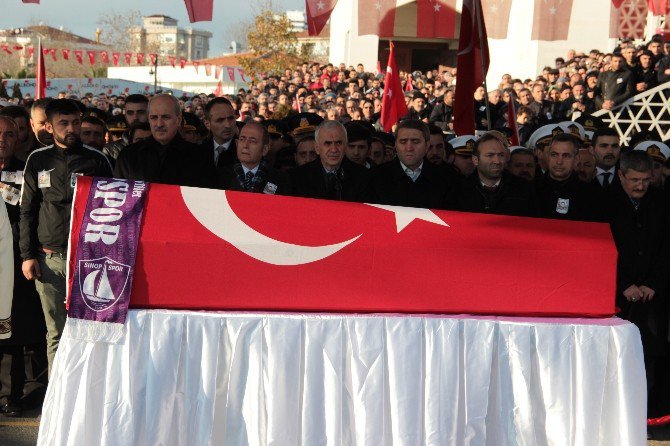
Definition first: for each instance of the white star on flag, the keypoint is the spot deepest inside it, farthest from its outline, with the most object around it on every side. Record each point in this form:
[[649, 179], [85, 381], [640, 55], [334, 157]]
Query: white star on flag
[[552, 10], [390, 93], [404, 216], [320, 5], [378, 6], [437, 7]]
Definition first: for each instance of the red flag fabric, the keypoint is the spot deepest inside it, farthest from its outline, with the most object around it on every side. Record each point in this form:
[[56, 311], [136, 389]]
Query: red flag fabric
[[199, 10], [128, 57], [379, 68], [231, 73], [408, 83], [436, 18], [267, 253], [79, 55], [318, 13], [173, 61], [617, 3], [196, 65], [511, 122], [242, 75], [182, 63], [471, 52], [140, 58], [31, 51], [376, 17], [153, 58], [208, 69], [393, 100], [115, 58], [104, 56], [219, 90], [296, 104], [217, 71], [54, 57], [551, 19], [65, 53], [45, 51], [41, 76], [496, 16], [658, 7], [91, 56], [5, 48]]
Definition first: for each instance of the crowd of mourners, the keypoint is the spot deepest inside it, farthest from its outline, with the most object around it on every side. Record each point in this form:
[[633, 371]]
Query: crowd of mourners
[[314, 131]]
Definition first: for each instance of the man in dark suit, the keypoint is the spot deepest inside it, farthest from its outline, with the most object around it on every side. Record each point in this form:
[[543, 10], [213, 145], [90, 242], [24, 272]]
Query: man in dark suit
[[409, 180], [614, 86], [606, 149], [638, 216], [331, 176], [220, 121], [166, 157], [252, 173], [490, 189]]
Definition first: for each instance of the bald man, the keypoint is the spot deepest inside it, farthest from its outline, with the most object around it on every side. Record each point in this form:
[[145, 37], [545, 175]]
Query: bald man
[[166, 157]]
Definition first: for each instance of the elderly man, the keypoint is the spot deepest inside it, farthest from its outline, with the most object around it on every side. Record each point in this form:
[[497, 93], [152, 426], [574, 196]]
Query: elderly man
[[252, 173], [638, 217], [166, 157], [409, 180], [331, 176]]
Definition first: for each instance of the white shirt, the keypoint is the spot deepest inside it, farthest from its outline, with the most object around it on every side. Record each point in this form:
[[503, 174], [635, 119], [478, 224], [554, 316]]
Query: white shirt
[[495, 185], [413, 174], [247, 170], [601, 178]]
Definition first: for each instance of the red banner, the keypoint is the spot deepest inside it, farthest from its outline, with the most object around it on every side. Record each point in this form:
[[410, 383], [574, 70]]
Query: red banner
[[91, 57], [496, 17], [231, 73], [140, 58], [104, 57], [115, 58], [376, 17], [551, 19], [128, 57], [242, 75], [217, 71], [79, 55], [65, 53], [352, 257], [436, 18]]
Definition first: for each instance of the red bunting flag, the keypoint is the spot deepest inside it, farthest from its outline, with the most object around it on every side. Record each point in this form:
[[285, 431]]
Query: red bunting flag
[[196, 65], [182, 63], [115, 59], [496, 17], [41, 76], [52, 51], [128, 58], [551, 20], [511, 122], [45, 51], [199, 10], [217, 71], [376, 17], [393, 100], [471, 51], [65, 53], [5, 48], [219, 90], [104, 57], [91, 57], [242, 75], [31, 51], [17, 47], [436, 18], [79, 55], [140, 58], [153, 58], [231, 73], [173, 61], [208, 69], [318, 13]]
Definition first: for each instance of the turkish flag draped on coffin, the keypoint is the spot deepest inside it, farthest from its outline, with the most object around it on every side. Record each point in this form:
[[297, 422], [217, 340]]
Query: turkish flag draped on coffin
[[551, 19], [214, 249]]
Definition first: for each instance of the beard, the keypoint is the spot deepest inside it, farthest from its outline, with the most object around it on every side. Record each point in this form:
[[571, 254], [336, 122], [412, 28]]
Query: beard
[[69, 140]]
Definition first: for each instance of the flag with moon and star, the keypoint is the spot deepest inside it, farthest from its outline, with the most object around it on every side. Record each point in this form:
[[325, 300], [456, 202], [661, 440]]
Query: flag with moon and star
[[223, 250]]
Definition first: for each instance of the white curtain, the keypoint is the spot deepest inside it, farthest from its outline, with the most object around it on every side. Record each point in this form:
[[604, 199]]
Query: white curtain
[[204, 378]]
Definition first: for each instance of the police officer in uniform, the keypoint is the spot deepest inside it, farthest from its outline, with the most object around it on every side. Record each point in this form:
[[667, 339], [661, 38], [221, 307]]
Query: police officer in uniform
[[46, 199]]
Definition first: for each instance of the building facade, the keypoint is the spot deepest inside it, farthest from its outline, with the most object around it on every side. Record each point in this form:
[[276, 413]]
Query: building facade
[[161, 34]]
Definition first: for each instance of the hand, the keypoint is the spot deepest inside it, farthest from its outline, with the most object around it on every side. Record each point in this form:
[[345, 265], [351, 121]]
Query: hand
[[31, 269], [641, 86], [647, 293], [633, 293]]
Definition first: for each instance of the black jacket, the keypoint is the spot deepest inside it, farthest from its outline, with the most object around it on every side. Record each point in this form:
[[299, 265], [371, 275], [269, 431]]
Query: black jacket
[[571, 199], [310, 181], [442, 116], [114, 148], [274, 182], [45, 210], [615, 86], [513, 196], [179, 162], [390, 185], [227, 158]]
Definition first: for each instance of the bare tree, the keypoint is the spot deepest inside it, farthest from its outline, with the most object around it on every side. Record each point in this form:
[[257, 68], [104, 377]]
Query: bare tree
[[116, 29]]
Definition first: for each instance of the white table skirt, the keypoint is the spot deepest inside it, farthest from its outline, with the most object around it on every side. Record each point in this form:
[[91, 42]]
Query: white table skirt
[[206, 378]]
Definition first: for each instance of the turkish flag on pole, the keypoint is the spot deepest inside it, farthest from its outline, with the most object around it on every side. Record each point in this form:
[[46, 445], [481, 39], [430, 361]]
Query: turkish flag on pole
[[511, 122], [551, 20], [471, 51], [393, 101], [318, 13], [199, 10], [376, 17], [41, 76], [436, 18], [658, 7], [496, 16]]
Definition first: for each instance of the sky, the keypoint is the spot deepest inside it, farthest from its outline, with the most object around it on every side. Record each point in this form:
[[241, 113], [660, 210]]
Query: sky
[[80, 16]]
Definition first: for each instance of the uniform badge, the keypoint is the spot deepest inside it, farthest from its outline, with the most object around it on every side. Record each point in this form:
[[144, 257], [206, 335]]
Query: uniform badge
[[270, 189], [73, 179], [19, 177], [8, 177], [44, 179], [619, 80], [10, 195], [562, 206]]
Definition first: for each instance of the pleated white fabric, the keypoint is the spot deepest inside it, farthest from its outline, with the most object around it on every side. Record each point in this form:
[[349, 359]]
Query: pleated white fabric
[[203, 378]]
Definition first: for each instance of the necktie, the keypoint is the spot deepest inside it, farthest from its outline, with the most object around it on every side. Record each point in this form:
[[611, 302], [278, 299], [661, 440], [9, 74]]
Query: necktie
[[248, 178], [217, 153], [606, 179]]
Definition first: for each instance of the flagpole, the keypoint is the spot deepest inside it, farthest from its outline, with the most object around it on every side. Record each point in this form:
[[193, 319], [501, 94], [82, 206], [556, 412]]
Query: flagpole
[[479, 13]]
